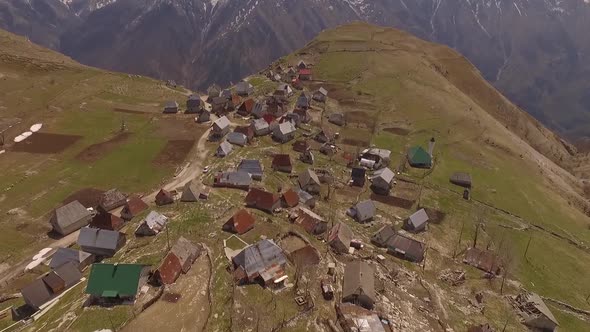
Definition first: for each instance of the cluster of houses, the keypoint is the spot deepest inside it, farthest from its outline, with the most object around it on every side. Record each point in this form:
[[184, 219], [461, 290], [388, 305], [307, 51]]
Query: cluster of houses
[[100, 237], [263, 262]]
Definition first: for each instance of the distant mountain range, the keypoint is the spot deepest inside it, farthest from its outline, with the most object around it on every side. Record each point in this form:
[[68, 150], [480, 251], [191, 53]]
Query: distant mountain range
[[536, 52]]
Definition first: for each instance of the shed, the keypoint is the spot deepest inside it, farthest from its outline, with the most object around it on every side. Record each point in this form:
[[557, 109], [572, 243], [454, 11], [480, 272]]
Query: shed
[[381, 238], [417, 221], [171, 107], [284, 89], [248, 131], [116, 281], [300, 146], [461, 179], [419, 158], [70, 217], [307, 157], [303, 101], [204, 116], [284, 132], [133, 207], [237, 138], [224, 149], [312, 222], [290, 198], [194, 104], [358, 176], [153, 224], [382, 181], [305, 74], [220, 128], [309, 181], [262, 200], [252, 167], [238, 180], [353, 318], [339, 238], [112, 199], [325, 135], [100, 242], [66, 255], [535, 312], [304, 116], [406, 248], [262, 262], [164, 197], [282, 163], [301, 64], [484, 260], [306, 198], [106, 220], [246, 107], [337, 118], [190, 192], [379, 158], [260, 127], [320, 95], [69, 273], [213, 91], [364, 211], [240, 223], [358, 284], [244, 89]]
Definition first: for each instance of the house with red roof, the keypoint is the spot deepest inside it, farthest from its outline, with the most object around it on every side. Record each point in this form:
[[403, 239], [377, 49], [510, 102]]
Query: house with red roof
[[262, 200], [241, 222]]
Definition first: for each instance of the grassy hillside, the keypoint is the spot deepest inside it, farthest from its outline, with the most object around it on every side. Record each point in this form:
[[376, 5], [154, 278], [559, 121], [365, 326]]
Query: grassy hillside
[[398, 83], [394, 94], [78, 104]]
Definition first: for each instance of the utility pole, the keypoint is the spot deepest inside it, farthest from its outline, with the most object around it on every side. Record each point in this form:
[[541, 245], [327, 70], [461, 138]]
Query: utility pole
[[476, 234], [459, 239]]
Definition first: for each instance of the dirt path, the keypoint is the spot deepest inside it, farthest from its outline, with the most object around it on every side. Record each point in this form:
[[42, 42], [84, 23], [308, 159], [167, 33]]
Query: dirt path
[[188, 314]]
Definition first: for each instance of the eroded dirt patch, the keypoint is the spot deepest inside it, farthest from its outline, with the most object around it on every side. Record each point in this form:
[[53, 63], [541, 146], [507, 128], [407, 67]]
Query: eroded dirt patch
[[96, 151], [356, 142], [89, 197], [45, 143], [173, 153], [128, 111], [397, 131]]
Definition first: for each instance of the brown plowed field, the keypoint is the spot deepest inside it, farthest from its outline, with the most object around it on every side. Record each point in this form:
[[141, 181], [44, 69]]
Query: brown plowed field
[[45, 143]]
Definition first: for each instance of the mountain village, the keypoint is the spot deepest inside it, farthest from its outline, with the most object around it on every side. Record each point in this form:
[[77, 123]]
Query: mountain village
[[308, 215]]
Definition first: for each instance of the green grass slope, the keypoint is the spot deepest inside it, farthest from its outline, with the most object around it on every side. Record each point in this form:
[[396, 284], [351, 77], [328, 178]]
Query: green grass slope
[[41, 86]]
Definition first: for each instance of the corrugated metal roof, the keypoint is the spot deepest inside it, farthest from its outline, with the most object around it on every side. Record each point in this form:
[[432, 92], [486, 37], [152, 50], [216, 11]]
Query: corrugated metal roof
[[112, 280], [407, 247], [221, 123], [156, 221], [241, 222], [308, 177], [260, 257], [237, 138], [385, 174], [69, 273], [251, 166], [261, 199], [36, 293]]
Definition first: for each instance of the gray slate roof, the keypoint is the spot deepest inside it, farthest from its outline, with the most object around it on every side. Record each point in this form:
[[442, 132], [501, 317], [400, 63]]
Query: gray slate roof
[[237, 138], [365, 210], [171, 104], [418, 218], [260, 124], [64, 255], [308, 177], [224, 148], [69, 273], [70, 214], [236, 178], [385, 174], [251, 166], [258, 257], [286, 128], [98, 238], [221, 123]]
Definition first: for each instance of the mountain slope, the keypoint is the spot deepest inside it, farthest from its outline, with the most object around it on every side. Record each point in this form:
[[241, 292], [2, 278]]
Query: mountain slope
[[535, 52]]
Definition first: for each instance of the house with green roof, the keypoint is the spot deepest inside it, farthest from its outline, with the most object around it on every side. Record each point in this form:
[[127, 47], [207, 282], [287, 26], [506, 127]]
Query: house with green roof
[[419, 158], [116, 282]]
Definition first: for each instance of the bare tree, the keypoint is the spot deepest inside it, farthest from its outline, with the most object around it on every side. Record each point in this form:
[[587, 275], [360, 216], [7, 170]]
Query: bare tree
[[507, 257]]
